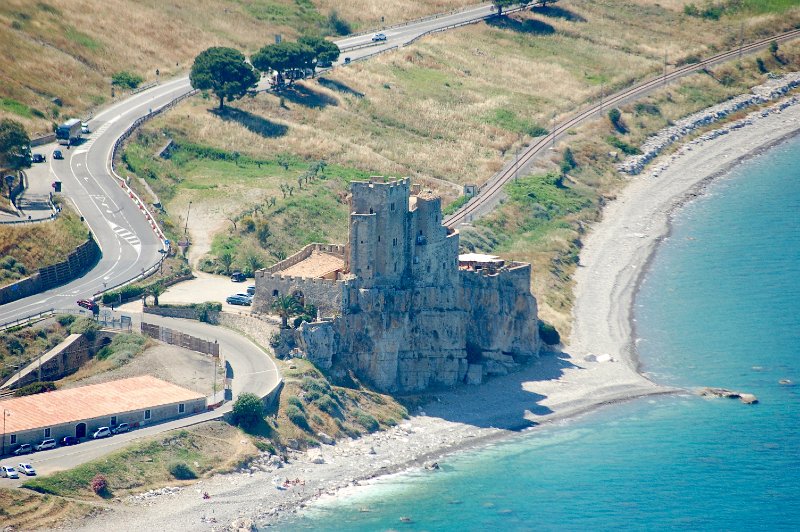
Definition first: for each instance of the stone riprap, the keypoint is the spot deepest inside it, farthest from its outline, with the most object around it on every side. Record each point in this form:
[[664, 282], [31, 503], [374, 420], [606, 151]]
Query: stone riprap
[[769, 91]]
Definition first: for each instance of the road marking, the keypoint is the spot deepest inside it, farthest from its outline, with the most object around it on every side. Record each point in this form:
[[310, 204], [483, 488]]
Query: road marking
[[82, 150]]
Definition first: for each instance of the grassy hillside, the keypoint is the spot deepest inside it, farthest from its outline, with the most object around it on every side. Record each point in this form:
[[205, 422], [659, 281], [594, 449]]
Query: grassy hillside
[[69, 50], [26, 248], [449, 110]]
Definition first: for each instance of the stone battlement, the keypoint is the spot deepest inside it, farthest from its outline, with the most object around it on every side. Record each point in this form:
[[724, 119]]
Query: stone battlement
[[303, 254]]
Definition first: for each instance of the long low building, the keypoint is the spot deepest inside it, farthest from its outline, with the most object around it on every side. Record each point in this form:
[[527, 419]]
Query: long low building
[[80, 411]]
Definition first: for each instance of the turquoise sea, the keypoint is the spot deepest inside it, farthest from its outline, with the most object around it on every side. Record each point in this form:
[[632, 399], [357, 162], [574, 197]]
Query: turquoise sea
[[719, 306]]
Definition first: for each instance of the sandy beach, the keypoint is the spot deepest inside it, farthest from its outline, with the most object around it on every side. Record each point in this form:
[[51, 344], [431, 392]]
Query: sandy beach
[[599, 366]]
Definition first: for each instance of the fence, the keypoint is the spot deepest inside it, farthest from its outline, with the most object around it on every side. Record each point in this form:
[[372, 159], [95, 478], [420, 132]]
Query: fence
[[178, 338]]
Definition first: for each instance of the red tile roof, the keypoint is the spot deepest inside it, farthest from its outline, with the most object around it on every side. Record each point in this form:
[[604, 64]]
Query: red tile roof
[[87, 402]]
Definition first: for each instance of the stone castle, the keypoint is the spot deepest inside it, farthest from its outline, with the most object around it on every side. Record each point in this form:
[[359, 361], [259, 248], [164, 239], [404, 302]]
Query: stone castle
[[397, 304]]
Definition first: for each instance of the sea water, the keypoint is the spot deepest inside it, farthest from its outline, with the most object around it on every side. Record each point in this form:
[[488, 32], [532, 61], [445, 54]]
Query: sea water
[[719, 306]]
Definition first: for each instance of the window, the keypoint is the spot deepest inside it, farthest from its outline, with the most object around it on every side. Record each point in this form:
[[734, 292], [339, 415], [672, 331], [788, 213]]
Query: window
[[392, 206], [274, 293], [13, 439], [113, 421], [394, 241], [379, 238], [147, 414], [370, 210], [181, 408], [47, 432]]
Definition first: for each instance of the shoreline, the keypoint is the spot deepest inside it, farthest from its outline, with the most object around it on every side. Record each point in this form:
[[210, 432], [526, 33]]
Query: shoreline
[[616, 256]]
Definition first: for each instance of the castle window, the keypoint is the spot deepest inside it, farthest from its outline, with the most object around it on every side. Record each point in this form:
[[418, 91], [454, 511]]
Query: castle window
[[392, 206], [429, 267], [379, 238], [274, 293], [370, 210], [394, 241], [395, 267]]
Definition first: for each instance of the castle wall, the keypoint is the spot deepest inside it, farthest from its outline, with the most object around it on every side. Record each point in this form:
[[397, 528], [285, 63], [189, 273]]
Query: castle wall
[[303, 254], [326, 294]]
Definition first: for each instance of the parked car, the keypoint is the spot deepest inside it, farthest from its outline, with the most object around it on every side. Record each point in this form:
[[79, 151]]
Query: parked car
[[69, 440], [239, 299], [238, 277], [251, 290], [23, 449], [379, 37], [102, 432], [57, 154], [38, 158], [87, 304], [8, 472], [85, 128], [46, 444], [122, 427], [27, 469]]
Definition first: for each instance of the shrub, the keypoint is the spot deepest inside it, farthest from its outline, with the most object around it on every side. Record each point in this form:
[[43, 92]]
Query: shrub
[[35, 387], [549, 334], [366, 420], [338, 25], [327, 404], [85, 326], [248, 411], [297, 416], [761, 66], [65, 320], [99, 484], [126, 79], [568, 161], [181, 471], [623, 146], [296, 402]]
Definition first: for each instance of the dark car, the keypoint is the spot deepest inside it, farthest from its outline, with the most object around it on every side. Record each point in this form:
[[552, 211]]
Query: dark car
[[238, 277], [239, 299], [23, 449], [66, 441], [57, 154], [38, 158], [251, 290]]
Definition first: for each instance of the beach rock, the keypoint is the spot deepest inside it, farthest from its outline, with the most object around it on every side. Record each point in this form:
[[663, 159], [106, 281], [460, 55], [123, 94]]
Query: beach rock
[[474, 374], [746, 398], [785, 382], [324, 438], [242, 524]]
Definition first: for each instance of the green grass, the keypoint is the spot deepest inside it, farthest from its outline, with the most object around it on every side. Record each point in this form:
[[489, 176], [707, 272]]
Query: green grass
[[302, 15], [143, 464], [508, 120], [454, 205], [19, 108], [82, 39]]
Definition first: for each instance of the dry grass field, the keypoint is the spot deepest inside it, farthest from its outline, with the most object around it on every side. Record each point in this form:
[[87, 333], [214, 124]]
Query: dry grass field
[[70, 49], [25, 510]]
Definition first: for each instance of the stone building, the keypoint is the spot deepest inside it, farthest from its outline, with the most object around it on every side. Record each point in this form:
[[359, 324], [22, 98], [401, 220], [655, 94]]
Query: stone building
[[397, 306]]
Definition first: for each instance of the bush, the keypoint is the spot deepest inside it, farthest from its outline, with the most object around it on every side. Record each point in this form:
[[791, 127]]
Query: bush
[[327, 405], [549, 334], [568, 161], [623, 146], [125, 293], [181, 471], [297, 416], [99, 484], [65, 320], [35, 387], [126, 79], [338, 25], [248, 411], [366, 420], [296, 402], [85, 326]]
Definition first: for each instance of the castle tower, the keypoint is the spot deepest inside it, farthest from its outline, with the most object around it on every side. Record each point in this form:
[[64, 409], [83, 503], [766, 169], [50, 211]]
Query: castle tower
[[379, 231]]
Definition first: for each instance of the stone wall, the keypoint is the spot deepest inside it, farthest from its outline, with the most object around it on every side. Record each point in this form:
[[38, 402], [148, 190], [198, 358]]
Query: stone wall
[[303, 254], [324, 293]]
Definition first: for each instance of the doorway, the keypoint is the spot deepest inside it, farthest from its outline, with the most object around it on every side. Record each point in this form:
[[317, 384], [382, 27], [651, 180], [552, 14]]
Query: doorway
[[80, 430]]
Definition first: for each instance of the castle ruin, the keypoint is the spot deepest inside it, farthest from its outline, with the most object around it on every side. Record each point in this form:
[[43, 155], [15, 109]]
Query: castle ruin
[[396, 304]]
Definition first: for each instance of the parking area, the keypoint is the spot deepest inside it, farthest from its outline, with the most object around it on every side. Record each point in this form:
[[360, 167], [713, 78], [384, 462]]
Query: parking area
[[206, 287]]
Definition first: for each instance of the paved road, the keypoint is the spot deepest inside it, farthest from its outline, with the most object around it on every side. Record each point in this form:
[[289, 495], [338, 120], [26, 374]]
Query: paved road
[[252, 370]]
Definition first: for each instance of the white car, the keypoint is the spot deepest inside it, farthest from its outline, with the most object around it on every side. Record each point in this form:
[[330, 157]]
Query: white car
[[102, 432], [8, 471], [379, 37], [46, 444], [26, 469]]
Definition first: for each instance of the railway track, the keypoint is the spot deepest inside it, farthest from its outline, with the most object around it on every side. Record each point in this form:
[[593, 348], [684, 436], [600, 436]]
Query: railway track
[[492, 188]]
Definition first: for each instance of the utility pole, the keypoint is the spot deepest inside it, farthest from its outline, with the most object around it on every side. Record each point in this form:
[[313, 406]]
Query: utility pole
[[553, 132], [665, 66], [602, 88], [5, 414], [741, 39], [215, 359], [186, 226]]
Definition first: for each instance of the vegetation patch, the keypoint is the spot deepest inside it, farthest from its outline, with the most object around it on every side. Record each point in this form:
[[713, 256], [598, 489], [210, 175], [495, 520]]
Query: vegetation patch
[[123, 348], [26, 510], [205, 449], [21, 346]]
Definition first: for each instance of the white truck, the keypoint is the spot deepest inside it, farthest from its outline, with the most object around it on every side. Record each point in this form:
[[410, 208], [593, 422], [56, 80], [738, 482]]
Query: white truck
[[69, 132]]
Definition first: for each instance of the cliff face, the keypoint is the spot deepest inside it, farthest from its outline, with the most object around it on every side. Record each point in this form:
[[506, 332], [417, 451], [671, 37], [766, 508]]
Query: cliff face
[[430, 337]]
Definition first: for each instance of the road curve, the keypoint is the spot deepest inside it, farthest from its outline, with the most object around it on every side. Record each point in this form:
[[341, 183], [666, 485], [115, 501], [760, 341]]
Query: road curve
[[490, 192]]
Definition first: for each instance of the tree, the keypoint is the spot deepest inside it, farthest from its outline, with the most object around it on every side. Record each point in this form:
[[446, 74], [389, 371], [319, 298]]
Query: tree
[[155, 290], [254, 262], [248, 410], [500, 4], [15, 151], [286, 307], [325, 52], [285, 58], [568, 161], [226, 259], [225, 72]]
